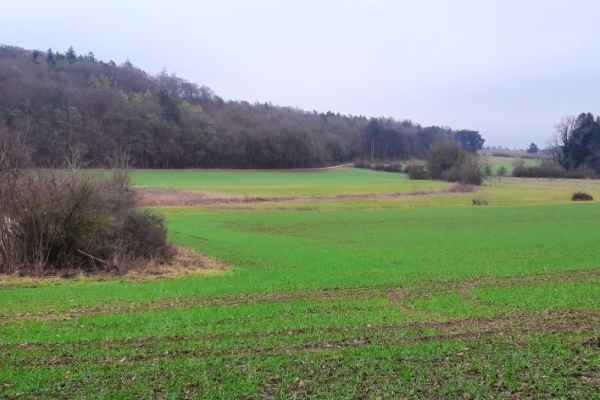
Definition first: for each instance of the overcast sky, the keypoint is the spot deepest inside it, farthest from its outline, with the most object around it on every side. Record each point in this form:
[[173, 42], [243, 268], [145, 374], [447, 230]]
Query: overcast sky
[[509, 69]]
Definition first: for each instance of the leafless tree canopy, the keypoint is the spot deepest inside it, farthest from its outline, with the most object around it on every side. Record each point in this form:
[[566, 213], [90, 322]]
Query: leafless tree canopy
[[80, 108]]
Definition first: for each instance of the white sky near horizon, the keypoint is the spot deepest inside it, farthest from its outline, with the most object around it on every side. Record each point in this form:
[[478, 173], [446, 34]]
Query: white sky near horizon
[[509, 69]]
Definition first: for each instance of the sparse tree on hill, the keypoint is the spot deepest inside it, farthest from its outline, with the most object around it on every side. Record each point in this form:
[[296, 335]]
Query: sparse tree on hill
[[470, 140], [449, 161], [501, 173], [532, 149]]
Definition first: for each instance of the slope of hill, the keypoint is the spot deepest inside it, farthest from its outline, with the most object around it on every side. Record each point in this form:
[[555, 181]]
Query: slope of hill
[[75, 108]]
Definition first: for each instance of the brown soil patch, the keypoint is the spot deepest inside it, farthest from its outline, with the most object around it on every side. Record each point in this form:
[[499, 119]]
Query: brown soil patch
[[163, 197]]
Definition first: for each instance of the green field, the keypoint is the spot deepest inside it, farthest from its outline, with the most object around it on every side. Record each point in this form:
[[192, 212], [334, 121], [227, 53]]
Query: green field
[[507, 162], [390, 296], [283, 183]]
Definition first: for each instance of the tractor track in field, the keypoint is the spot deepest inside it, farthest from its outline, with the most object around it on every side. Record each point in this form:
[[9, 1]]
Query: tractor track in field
[[510, 327], [396, 294]]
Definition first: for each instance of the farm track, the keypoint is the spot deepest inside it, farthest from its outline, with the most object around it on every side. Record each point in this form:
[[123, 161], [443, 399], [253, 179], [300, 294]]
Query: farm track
[[512, 327], [160, 197], [394, 293]]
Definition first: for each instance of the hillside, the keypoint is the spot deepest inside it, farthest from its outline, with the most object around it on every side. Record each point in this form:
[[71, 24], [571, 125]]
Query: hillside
[[76, 109]]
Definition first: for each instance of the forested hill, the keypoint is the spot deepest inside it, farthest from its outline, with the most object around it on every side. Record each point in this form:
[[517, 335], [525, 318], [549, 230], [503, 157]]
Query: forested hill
[[75, 107]]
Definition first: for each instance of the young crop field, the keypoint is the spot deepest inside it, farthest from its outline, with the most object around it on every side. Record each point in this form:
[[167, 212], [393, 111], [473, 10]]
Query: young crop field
[[508, 163], [359, 284], [282, 183]]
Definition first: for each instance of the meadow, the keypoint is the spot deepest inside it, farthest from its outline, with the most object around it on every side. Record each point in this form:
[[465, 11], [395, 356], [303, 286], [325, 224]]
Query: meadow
[[406, 292]]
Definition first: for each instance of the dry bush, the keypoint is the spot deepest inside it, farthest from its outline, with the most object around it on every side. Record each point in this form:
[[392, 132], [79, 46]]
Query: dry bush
[[393, 167], [59, 220], [544, 170], [480, 202], [581, 196], [362, 164], [449, 161], [468, 172], [417, 171]]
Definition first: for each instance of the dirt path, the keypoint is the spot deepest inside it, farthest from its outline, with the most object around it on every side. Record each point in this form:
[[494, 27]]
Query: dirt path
[[161, 197]]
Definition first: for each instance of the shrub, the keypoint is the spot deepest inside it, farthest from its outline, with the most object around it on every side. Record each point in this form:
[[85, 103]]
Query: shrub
[[487, 170], [394, 167], [53, 220], [417, 171], [447, 160], [144, 234], [480, 202], [362, 164], [581, 173], [544, 170], [443, 156], [581, 196], [468, 172], [549, 169], [502, 154]]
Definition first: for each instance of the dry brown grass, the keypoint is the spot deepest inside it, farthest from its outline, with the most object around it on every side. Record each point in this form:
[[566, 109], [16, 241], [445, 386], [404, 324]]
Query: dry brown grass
[[159, 197], [173, 197], [185, 262]]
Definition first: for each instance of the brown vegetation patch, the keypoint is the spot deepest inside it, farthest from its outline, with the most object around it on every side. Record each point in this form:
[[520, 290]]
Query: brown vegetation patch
[[184, 262], [163, 197], [463, 188], [581, 196], [173, 197]]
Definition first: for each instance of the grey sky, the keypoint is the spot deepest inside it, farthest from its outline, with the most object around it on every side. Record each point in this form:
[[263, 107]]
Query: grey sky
[[509, 69]]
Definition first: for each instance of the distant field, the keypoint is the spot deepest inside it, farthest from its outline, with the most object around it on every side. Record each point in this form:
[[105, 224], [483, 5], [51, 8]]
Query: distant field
[[414, 296], [507, 162], [283, 183]]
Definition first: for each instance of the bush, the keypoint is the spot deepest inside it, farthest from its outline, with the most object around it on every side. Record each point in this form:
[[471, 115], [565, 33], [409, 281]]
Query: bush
[[548, 169], [394, 167], [144, 234], [443, 156], [544, 170], [469, 172], [581, 173], [56, 220], [502, 154], [362, 164], [417, 171], [480, 202], [581, 196], [449, 161]]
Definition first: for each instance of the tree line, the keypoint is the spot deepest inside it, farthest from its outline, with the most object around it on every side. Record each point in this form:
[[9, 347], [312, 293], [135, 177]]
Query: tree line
[[74, 108], [577, 143]]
